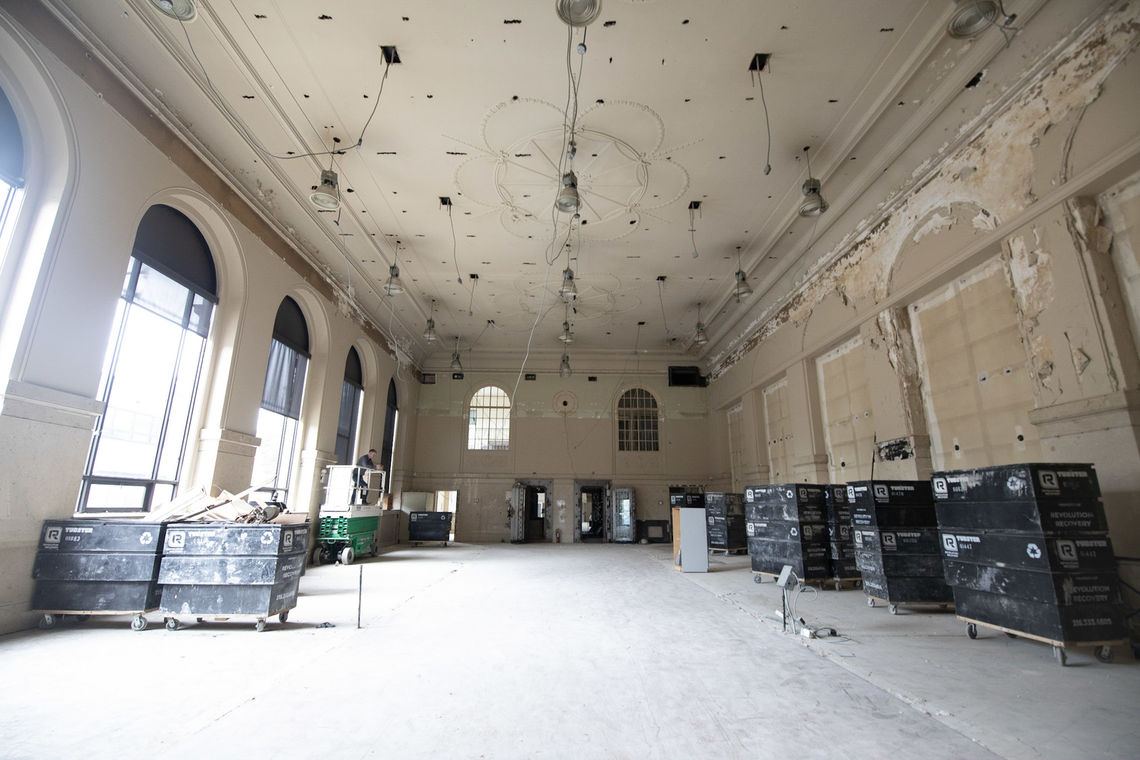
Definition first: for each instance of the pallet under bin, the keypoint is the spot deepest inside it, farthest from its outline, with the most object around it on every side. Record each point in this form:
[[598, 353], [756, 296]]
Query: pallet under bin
[[224, 570], [97, 567]]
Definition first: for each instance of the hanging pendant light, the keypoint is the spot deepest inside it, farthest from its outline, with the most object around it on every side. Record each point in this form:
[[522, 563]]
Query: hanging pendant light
[[429, 333], [569, 290], [813, 204], [394, 286], [456, 365], [564, 368], [327, 194], [567, 336], [742, 288], [179, 10], [701, 336], [567, 200], [578, 12]]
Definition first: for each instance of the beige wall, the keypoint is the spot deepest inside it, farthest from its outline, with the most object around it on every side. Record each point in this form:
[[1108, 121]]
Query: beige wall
[[550, 443]]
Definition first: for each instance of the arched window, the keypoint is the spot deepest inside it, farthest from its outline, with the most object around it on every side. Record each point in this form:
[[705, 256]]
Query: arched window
[[350, 392], [11, 162], [489, 420], [391, 416], [281, 400], [637, 421], [152, 367]]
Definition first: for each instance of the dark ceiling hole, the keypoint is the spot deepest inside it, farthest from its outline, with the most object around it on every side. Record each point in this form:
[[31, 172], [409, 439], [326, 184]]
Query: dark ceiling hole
[[306, 94], [1020, 437], [957, 447], [887, 29], [324, 17], [685, 21], [512, 21], [259, 15], [514, 97], [385, 152], [974, 80], [832, 100], [247, 97], [289, 153], [608, 24]]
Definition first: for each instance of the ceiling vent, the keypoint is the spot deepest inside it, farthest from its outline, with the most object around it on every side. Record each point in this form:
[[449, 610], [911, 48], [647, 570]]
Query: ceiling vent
[[971, 18], [578, 12], [179, 10], [687, 377]]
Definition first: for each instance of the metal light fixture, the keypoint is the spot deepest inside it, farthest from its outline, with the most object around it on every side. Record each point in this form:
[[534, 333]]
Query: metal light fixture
[[569, 290], [567, 336], [578, 12], [327, 194], [429, 333], [456, 365], [813, 204], [567, 200], [179, 10], [701, 336], [742, 289], [564, 368], [394, 286], [972, 18]]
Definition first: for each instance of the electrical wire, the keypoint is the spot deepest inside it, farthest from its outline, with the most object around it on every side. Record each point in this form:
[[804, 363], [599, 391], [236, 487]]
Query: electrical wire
[[454, 245], [767, 124], [253, 141], [661, 300]]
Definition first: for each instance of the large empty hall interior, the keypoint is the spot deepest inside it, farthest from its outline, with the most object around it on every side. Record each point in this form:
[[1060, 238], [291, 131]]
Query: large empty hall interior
[[570, 378]]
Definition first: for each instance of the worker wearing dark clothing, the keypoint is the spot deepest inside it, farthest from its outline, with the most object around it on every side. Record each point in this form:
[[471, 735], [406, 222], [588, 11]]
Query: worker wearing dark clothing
[[364, 463]]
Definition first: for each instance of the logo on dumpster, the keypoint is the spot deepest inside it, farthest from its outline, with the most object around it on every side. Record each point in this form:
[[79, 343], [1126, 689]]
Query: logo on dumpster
[[1034, 551], [146, 538], [176, 539], [941, 487], [288, 539], [52, 535]]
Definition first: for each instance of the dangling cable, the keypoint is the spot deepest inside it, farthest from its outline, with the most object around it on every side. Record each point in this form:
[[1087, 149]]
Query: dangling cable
[[767, 124]]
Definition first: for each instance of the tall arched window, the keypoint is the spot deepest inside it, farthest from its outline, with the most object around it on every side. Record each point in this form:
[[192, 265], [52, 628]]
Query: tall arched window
[[489, 420], [391, 416], [350, 392], [152, 367], [11, 166], [281, 400], [637, 421]]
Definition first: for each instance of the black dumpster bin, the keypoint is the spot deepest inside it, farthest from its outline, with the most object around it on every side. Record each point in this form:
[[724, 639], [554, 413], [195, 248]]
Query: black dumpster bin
[[429, 526], [223, 570], [97, 567]]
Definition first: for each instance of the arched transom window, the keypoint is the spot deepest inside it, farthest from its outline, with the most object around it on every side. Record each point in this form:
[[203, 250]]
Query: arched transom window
[[637, 421], [489, 420]]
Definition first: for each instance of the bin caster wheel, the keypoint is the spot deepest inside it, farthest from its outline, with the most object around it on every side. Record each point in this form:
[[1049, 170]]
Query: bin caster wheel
[[47, 622], [859, 584], [283, 616], [139, 623], [260, 625], [870, 602], [971, 630], [1011, 635], [79, 618], [893, 609], [1060, 656], [346, 555], [172, 624], [318, 556], [757, 578], [1103, 653]]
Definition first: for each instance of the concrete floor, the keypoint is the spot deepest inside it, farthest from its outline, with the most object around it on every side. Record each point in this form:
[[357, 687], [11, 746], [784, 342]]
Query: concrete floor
[[599, 651]]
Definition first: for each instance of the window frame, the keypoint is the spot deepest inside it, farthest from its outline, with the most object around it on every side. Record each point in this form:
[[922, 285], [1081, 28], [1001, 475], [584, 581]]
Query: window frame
[[129, 305], [481, 419], [638, 426]]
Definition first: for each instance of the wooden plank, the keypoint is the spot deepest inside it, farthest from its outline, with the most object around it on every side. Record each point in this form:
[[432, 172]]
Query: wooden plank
[[1043, 639]]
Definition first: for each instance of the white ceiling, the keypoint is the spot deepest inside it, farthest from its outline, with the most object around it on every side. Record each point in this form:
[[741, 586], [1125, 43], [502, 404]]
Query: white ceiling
[[668, 114]]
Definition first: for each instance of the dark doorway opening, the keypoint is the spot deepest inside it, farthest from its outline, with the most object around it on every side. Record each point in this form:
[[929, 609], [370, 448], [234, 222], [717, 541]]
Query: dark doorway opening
[[536, 511]]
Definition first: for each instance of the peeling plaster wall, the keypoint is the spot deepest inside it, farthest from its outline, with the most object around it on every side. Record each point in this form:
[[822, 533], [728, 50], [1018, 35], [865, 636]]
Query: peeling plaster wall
[[1015, 189]]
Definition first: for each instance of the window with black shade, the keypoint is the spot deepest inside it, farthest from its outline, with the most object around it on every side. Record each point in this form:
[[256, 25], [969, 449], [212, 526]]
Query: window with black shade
[[637, 421], [152, 367], [277, 420], [351, 391], [391, 417]]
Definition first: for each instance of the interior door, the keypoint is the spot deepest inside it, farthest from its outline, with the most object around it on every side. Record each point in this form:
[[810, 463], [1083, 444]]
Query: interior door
[[608, 520], [518, 514], [536, 509], [624, 516]]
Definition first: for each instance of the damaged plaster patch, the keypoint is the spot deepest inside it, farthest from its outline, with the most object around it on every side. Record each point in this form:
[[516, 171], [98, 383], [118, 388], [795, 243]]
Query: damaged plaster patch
[[937, 222], [1003, 159]]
